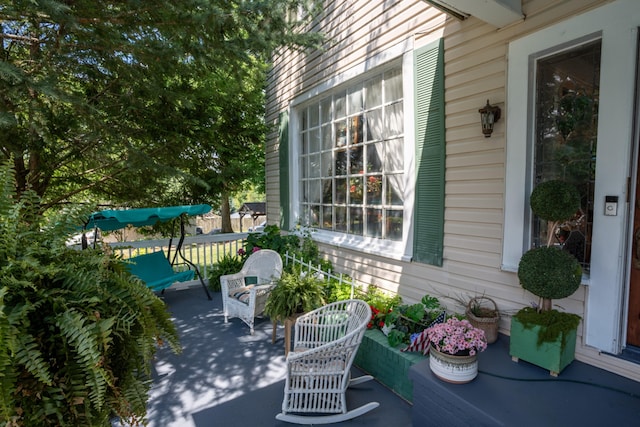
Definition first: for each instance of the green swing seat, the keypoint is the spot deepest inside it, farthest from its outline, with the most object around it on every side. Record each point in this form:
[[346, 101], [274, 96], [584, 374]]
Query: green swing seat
[[156, 272]]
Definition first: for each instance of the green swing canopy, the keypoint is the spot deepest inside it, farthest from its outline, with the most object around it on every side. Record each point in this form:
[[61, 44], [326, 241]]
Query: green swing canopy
[[112, 219], [154, 269]]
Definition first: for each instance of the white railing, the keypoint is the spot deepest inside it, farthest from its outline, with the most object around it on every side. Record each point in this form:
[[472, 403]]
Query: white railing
[[317, 269], [207, 250], [202, 250]]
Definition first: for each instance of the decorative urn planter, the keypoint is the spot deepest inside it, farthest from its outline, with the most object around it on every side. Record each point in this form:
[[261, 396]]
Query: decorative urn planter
[[452, 368]]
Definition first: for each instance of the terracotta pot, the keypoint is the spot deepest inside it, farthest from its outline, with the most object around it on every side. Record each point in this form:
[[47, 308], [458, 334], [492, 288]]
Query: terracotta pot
[[453, 369]]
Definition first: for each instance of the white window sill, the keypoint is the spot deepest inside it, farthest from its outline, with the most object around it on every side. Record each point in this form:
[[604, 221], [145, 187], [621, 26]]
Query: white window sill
[[368, 245]]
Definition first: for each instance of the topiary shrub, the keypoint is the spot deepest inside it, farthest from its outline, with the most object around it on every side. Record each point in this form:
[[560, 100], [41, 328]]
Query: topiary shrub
[[549, 272], [555, 200], [77, 331]]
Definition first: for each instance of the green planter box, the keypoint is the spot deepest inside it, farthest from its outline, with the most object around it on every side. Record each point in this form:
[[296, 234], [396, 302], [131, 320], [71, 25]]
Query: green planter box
[[388, 365], [549, 355]]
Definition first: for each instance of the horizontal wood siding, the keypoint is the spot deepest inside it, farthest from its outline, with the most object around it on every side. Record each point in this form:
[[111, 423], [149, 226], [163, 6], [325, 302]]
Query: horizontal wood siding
[[475, 70]]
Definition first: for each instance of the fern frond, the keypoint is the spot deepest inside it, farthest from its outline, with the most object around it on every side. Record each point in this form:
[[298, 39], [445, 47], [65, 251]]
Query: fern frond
[[28, 354]]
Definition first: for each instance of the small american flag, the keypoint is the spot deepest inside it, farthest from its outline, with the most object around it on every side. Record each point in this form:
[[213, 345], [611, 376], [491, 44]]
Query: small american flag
[[421, 343]]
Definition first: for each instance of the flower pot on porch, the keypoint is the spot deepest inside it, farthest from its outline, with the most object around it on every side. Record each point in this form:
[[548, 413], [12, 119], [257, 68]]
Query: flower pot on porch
[[453, 368], [485, 318], [550, 355]]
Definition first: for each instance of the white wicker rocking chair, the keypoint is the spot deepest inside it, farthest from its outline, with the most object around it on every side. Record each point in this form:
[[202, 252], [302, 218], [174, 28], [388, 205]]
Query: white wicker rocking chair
[[318, 369], [245, 293]]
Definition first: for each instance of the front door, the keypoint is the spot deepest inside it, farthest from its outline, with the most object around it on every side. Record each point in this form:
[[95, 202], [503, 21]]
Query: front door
[[633, 315]]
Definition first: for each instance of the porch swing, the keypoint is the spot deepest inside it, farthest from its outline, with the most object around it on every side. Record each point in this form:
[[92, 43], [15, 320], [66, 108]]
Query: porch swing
[[155, 269]]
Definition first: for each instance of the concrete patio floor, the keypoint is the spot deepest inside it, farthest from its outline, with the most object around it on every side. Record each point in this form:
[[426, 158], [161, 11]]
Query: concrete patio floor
[[226, 377]]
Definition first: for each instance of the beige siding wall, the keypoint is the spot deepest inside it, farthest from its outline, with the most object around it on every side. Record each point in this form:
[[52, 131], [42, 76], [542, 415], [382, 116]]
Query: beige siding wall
[[475, 70]]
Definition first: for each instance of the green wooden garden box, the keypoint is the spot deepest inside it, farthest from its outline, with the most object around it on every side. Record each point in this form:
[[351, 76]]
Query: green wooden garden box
[[549, 355], [388, 365]]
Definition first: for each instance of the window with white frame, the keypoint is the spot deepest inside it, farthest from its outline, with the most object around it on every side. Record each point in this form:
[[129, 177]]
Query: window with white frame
[[351, 161]]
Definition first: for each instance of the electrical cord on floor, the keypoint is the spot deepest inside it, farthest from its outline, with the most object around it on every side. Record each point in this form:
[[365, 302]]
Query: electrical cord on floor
[[617, 390]]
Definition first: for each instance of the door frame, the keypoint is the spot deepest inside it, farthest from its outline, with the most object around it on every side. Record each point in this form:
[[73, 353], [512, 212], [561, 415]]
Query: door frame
[[617, 25]]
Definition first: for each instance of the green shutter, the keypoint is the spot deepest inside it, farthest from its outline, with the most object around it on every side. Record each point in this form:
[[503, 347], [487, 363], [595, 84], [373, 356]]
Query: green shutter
[[430, 154], [283, 150]]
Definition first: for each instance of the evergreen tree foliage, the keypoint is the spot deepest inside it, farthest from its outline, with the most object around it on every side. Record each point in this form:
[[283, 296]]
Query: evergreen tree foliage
[[115, 100]]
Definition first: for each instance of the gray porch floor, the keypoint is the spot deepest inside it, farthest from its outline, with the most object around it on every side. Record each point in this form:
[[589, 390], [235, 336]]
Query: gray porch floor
[[226, 377]]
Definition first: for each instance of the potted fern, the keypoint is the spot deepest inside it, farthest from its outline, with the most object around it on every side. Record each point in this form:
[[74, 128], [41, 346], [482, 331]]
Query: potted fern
[[542, 335], [293, 294], [77, 332]]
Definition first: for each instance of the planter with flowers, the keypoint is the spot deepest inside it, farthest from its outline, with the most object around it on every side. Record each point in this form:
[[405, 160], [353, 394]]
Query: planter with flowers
[[453, 347], [383, 357]]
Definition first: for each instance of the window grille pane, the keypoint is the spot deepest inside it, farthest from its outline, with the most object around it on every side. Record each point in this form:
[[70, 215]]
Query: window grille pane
[[374, 189], [341, 133], [355, 130], [314, 216], [375, 154], [327, 137], [340, 105], [394, 120], [325, 110], [355, 221], [314, 115], [394, 225], [314, 140], [327, 220], [354, 103], [327, 164], [394, 160], [355, 190], [341, 218], [327, 191], [374, 223], [374, 125], [355, 160], [395, 190], [373, 93], [341, 191], [314, 191], [314, 165], [341, 162], [393, 86]]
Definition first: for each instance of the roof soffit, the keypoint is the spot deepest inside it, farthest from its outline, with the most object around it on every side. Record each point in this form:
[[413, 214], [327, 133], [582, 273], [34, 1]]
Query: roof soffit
[[498, 13]]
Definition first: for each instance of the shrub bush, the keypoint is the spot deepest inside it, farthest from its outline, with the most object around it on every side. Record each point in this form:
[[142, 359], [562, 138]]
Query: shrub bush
[[77, 332], [229, 264]]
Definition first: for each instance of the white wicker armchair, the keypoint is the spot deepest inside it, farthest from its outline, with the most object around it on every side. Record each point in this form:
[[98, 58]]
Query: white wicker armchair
[[318, 369], [245, 293]]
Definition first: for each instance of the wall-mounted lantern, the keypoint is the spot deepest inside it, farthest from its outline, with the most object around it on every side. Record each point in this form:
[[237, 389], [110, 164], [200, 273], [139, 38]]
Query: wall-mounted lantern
[[488, 116]]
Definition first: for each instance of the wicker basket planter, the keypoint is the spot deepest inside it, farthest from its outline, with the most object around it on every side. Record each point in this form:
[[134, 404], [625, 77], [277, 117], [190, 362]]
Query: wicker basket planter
[[485, 318]]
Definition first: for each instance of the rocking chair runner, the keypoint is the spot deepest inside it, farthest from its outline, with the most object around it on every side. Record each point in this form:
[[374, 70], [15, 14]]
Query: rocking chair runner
[[244, 294], [318, 369]]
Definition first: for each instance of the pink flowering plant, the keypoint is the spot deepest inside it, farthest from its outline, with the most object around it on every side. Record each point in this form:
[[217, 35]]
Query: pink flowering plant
[[457, 337]]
